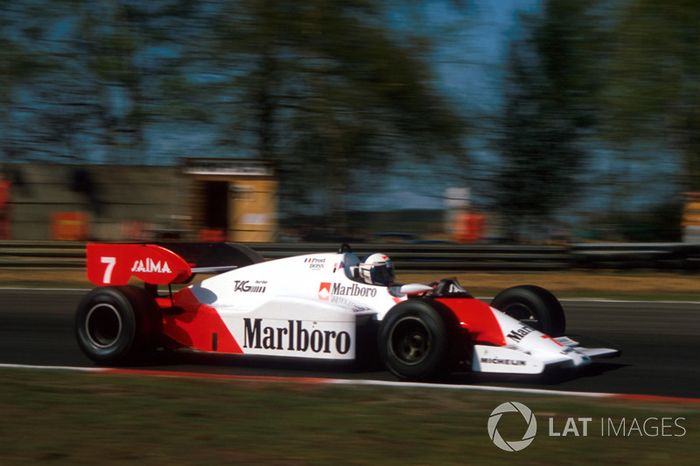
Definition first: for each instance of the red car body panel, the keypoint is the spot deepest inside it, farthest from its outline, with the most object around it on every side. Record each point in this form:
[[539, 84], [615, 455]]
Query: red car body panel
[[191, 324]]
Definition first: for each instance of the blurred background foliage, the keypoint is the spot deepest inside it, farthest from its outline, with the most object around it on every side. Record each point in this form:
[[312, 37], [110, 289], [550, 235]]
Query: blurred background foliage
[[336, 95], [604, 88]]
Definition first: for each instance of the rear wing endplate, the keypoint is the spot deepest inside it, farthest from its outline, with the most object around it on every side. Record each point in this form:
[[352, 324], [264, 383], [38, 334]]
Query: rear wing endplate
[[116, 264]]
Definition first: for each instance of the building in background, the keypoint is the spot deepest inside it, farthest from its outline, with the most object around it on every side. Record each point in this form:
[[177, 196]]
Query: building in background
[[691, 218], [232, 199], [202, 199]]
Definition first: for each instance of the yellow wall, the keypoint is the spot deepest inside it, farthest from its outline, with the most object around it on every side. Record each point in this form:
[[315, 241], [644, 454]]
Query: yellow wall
[[253, 210], [691, 215]]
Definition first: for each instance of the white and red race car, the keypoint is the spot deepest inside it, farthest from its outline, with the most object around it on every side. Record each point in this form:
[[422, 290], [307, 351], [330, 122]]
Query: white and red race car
[[312, 306]]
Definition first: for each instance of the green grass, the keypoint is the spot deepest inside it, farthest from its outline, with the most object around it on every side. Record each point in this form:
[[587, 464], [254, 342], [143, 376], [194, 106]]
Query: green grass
[[72, 418]]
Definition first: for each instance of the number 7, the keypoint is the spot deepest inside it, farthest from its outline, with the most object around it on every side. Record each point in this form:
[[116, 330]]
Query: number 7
[[111, 262]]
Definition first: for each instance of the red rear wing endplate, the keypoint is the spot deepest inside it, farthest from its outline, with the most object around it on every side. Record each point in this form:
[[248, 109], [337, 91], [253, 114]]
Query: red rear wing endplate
[[115, 264]]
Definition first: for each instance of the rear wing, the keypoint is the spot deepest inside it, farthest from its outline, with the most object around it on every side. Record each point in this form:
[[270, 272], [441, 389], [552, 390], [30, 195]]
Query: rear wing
[[116, 264]]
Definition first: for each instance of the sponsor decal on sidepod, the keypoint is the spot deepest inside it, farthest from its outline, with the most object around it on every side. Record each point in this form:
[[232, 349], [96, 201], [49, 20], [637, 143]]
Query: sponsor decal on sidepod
[[294, 337], [245, 286], [327, 289]]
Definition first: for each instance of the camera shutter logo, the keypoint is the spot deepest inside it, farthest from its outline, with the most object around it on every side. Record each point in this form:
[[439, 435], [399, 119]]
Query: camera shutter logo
[[528, 416]]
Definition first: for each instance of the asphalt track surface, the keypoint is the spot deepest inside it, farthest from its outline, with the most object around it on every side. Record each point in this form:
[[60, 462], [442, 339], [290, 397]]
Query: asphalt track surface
[[660, 343]]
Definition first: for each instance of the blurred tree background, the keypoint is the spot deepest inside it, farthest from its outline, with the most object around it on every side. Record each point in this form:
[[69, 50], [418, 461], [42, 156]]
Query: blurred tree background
[[602, 88], [335, 95], [320, 88], [550, 88]]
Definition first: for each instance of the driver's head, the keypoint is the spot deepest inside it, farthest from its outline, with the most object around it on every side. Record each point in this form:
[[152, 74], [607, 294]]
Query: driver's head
[[377, 269]]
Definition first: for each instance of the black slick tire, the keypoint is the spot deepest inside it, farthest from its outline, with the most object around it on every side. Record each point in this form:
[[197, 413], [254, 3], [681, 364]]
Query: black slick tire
[[413, 341], [534, 306], [116, 325]]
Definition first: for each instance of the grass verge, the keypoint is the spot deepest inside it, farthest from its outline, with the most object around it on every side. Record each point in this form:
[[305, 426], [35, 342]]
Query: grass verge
[[73, 418]]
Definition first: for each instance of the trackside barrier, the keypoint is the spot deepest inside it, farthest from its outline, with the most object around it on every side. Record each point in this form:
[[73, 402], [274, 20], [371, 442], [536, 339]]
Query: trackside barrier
[[657, 256], [417, 257]]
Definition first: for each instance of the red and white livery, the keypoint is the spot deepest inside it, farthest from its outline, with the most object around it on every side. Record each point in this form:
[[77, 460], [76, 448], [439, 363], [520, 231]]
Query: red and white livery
[[312, 306]]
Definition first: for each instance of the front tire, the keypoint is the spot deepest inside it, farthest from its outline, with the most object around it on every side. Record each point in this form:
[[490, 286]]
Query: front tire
[[533, 306], [116, 325], [414, 341]]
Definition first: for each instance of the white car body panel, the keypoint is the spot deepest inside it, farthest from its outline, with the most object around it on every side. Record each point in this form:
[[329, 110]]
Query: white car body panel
[[273, 308], [312, 291]]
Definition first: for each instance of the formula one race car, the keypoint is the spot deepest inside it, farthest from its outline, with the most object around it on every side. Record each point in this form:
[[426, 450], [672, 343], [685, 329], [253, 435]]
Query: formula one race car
[[312, 306]]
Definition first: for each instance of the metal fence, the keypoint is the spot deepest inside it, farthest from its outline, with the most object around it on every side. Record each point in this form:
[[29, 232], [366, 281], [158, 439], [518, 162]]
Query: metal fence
[[417, 257]]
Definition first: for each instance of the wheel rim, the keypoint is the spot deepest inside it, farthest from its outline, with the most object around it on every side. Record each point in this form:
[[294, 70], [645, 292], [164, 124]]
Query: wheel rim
[[103, 325], [410, 341], [523, 313]]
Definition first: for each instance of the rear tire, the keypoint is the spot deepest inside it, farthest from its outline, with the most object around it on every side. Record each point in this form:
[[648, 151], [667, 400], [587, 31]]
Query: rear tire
[[534, 306], [414, 341], [117, 325]]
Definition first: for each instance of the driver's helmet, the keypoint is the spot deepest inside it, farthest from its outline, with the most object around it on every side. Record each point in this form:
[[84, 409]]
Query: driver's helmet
[[377, 269]]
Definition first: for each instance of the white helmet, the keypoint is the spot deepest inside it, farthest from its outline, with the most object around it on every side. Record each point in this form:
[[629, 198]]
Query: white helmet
[[377, 269]]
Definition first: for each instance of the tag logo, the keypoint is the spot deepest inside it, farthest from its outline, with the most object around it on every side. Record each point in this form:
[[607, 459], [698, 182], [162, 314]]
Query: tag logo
[[244, 286]]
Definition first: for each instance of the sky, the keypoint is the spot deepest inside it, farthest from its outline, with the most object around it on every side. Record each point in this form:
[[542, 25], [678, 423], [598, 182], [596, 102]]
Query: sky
[[471, 61]]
